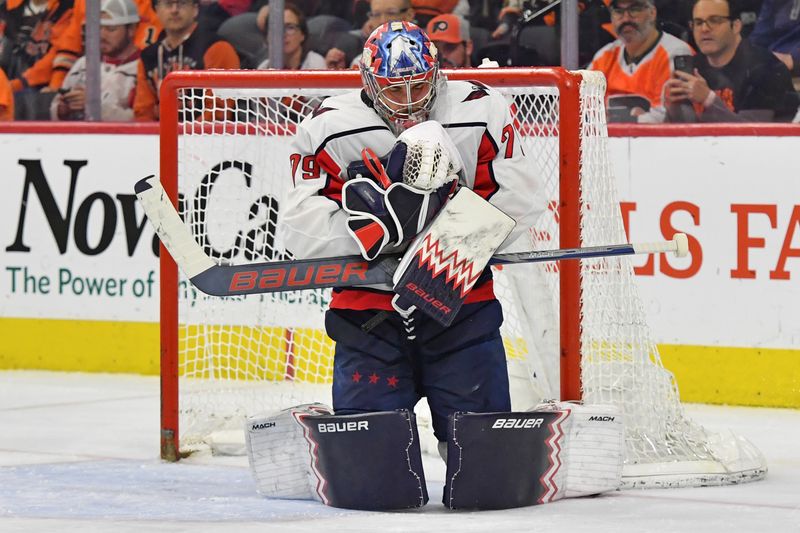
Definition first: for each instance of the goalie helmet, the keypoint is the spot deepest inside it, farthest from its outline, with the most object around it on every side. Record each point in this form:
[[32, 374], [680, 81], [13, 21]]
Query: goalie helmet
[[400, 71]]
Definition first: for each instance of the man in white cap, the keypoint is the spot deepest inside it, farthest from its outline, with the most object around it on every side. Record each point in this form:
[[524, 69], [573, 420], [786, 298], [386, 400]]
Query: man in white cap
[[118, 22], [450, 34]]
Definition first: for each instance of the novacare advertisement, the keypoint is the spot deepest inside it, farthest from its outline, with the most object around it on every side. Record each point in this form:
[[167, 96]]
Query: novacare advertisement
[[738, 200], [75, 243]]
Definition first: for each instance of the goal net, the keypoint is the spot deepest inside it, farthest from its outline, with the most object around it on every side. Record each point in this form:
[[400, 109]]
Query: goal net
[[572, 330]]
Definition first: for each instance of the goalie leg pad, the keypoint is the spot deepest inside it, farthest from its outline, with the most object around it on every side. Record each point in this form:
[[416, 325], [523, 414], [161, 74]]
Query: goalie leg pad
[[595, 447], [368, 461], [504, 460], [278, 453]]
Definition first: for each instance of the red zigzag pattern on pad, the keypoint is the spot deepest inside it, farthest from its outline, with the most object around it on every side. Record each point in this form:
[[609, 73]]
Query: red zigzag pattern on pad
[[433, 259]]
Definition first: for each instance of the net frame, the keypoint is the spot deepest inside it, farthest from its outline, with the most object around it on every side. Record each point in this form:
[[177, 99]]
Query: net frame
[[677, 433], [568, 85]]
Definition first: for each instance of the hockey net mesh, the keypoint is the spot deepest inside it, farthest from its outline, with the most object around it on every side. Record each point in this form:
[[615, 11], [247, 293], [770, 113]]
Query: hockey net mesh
[[242, 356]]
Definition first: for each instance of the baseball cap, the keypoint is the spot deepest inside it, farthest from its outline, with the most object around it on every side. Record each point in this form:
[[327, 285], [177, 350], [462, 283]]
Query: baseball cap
[[448, 28], [119, 12]]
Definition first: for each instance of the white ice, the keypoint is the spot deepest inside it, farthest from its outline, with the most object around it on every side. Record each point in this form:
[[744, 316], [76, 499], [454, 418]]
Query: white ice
[[79, 452]]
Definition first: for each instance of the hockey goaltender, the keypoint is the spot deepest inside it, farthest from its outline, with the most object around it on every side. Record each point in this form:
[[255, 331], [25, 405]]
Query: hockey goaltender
[[451, 187]]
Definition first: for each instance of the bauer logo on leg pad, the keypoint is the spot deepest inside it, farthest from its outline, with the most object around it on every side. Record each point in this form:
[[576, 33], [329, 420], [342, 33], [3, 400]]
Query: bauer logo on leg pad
[[367, 461], [504, 460], [333, 427]]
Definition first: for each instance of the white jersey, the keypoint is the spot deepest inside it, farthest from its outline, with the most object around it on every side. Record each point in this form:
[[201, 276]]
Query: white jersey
[[478, 120], [117, 87]]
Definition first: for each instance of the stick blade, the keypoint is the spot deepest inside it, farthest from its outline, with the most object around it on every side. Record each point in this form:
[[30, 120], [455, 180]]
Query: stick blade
[[169, 227]]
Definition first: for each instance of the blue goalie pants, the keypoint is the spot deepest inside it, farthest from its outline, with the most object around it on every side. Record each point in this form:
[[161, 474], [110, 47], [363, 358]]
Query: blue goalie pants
[[458, 368]]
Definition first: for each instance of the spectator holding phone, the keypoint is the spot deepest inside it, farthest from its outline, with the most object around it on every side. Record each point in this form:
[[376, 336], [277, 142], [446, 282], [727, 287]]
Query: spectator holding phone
[[732, 79], [639, 62]]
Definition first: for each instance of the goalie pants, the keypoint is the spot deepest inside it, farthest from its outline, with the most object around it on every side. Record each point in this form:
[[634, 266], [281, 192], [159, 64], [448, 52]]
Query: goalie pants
[[458, 368]]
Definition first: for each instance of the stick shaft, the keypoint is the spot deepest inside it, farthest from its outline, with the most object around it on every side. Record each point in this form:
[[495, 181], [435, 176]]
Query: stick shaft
[[277, 276], [584, 253]]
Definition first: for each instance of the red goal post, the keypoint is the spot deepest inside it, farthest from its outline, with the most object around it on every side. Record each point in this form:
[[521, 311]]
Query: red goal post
[[561, 116], [568, 85]]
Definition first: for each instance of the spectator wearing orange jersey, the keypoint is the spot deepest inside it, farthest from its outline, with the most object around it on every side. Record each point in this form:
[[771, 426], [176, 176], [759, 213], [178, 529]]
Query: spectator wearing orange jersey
[[6, 98], [31, 29], [639, 62], [179, 47], [70, 43]]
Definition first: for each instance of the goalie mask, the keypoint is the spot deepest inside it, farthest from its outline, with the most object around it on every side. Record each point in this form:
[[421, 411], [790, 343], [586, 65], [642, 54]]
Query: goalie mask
[[400, 72]]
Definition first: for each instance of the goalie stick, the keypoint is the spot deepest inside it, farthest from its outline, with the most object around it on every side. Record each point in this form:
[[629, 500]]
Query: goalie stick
[[276, 276]]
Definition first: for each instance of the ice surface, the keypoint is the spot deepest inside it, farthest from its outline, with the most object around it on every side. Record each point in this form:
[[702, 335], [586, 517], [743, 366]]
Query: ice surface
[[79, 452]]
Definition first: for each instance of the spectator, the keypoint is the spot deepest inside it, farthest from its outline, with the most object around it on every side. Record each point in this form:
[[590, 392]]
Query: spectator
[[450, 34], [6, 98], [297, 54], [120, 58], [638, 62], [380, 12], [70, 43], [778, 29], [179, 47], [733, 80], [30, 31]]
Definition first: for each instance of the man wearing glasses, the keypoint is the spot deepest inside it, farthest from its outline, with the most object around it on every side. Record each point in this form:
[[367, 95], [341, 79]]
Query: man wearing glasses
[[380, 12], [639, 62], [179, 47], [732, 79]]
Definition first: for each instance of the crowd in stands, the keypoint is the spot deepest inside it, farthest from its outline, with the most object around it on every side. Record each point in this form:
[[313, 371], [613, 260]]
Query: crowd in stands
[[664, 60]]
